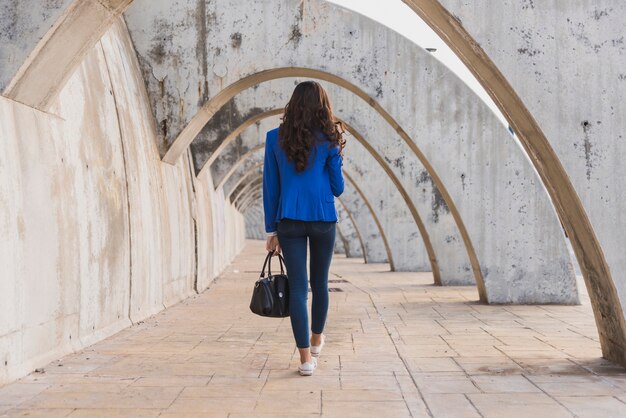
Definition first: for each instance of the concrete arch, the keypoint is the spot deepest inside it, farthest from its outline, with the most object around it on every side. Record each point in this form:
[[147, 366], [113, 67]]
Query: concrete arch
[[249, 198], [253, 171], [244, 188], [376, 246], [208, 155], [59, 39], [390, 259], [340, 241], [408, 239], [254, 222], [350, 233], [239, 148]]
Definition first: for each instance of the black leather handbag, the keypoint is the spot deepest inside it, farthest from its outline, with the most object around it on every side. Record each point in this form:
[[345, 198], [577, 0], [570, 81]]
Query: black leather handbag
[[270, 296]]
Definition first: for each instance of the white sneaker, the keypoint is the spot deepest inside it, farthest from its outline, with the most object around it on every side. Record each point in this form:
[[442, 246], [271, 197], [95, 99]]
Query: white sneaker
[[307, 368], [317, 349]]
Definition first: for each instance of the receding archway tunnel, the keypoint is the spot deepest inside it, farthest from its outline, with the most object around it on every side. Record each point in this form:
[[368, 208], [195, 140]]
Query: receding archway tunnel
[[119, 235]]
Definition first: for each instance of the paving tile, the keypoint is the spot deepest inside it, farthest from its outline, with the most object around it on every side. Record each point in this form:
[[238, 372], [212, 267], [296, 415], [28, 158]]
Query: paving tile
[[518, 405], [365, 409], [446, 384], [594, 406], [362, 395], [450, 405], [211, 405], [504, 384], [303, 401]]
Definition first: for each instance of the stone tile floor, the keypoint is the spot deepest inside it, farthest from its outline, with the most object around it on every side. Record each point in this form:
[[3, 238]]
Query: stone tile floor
[[397, 346]]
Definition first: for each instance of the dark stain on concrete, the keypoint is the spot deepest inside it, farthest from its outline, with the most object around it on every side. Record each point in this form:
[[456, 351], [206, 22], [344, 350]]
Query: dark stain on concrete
[[579, 32], [379, 90], [235, 40], [163, 129], [528, 39], [225, 120], [528, 4], [8, 23], [201, 51], [161, 101], [295, 36], [157, 53], [587, 146], [599, 14], [399, 163], [438, 203]]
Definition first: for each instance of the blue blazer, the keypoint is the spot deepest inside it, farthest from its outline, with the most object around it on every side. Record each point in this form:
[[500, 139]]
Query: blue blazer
[[309, 195]]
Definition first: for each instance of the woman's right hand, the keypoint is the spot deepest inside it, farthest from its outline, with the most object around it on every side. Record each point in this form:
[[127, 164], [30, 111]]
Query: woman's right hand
[[272, 244]]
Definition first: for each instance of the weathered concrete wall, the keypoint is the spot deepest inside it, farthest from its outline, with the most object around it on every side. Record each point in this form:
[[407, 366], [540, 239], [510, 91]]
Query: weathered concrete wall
[[98, 232], [566, 61], [477, 166]]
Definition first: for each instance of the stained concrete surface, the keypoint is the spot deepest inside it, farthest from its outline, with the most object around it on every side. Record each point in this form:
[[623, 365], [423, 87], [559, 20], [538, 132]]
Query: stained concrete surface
[[397, 346]]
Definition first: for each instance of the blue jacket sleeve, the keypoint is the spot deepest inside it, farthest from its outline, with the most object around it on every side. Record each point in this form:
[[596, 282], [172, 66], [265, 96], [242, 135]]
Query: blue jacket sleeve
[[271, 187], [335, 162]]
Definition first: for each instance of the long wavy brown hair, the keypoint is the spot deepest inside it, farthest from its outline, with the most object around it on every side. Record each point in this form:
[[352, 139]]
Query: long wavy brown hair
[[308, 111]]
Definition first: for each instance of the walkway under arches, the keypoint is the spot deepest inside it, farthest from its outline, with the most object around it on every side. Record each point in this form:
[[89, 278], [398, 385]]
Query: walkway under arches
[[397, 346]]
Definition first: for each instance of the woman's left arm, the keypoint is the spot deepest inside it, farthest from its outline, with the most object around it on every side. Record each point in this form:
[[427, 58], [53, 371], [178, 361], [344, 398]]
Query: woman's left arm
[[271, 195]]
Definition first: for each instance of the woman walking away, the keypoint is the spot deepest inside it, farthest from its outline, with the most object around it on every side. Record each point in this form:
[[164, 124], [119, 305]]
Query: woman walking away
[[301, 177]]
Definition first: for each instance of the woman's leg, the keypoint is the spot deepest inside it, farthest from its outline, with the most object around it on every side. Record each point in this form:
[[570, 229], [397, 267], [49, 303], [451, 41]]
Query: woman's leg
[[322, 243], [293, 242]]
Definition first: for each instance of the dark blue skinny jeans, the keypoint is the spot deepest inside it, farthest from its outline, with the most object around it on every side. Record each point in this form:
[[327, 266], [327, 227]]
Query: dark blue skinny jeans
[[292, 236]]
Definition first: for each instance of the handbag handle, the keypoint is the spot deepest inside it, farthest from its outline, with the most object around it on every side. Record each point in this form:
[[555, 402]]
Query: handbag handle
[[268, 263]]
